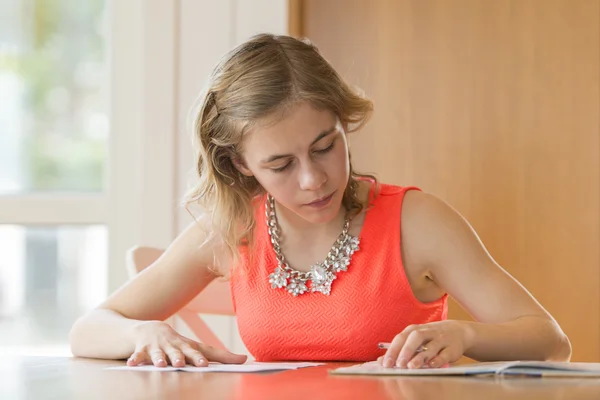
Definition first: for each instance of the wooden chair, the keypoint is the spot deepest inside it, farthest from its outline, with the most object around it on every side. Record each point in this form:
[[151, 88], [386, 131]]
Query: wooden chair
[[214, 299]]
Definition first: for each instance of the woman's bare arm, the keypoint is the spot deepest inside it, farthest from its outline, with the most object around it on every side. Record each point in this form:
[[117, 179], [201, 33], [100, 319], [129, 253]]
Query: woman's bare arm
[[511, 324], [156, 293]]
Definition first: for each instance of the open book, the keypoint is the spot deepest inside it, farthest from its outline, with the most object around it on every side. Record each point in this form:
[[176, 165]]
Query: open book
[[530, 368]]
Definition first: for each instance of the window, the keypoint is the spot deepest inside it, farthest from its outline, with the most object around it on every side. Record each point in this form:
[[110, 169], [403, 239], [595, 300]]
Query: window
[[91, 162], [54, 130]]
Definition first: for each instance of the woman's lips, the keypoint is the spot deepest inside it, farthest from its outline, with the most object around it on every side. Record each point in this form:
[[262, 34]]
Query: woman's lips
[[322, 202]]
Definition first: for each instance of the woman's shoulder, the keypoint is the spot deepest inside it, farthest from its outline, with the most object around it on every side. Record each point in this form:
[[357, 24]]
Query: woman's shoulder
[[413, 197], [415, 202], [427, 216], [388, 189]]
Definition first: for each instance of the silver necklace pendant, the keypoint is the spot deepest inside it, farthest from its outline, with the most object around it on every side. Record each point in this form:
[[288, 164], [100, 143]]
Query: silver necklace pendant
[[321, 275], [321, 279]]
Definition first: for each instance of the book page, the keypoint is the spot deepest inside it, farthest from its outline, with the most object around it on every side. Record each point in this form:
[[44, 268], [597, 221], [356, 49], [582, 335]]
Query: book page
[[373, 368], [532, 368]]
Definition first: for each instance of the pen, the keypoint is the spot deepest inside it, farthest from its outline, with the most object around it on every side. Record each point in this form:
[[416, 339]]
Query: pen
[[385, 345]]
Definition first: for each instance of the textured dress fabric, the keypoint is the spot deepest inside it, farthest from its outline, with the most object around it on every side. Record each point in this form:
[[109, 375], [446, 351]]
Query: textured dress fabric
[[369, 303]]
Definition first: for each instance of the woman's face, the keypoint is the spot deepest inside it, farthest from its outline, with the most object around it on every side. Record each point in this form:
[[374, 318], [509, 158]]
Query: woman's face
[[301, 160]]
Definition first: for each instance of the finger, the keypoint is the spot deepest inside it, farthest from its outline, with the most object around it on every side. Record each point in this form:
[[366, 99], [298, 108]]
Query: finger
[[414, 341], [138, 358], [428, 352], [194, 356], [444, 357], [158, 357], [222, 356], [390, 356], [175, 356], [380, 360]]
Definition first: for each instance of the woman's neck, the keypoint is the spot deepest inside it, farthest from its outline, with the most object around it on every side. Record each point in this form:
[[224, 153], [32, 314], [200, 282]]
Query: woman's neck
[[293, 225]]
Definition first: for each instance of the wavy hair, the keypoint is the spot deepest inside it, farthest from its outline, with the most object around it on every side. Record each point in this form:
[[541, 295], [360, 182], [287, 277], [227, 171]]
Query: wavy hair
[[261, 78]]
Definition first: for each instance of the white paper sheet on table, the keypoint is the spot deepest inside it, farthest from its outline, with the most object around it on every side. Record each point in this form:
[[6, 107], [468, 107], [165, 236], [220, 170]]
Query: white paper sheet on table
[[217, 367]]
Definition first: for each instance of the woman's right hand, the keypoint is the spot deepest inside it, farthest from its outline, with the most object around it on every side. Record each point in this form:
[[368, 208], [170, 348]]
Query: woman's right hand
[[158, 344]]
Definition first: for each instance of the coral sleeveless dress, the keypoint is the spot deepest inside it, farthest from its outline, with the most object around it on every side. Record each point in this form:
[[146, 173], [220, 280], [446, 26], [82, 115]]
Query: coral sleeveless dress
[[369, 303]]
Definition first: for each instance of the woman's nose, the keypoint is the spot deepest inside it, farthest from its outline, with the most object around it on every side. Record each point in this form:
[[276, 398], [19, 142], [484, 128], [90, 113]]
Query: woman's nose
[[312, 177]]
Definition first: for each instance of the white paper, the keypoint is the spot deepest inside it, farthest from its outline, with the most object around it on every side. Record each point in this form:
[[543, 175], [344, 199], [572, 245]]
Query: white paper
[[217, 367]]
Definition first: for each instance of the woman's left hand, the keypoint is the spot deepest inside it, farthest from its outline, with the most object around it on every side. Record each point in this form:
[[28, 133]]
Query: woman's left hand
[[429, 345]]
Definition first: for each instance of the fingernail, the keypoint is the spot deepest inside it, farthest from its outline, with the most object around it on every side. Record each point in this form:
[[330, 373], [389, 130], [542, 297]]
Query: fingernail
[[178, 361], [160, 360], [432, 363], [388, 362], [401, 362], [200, 361]]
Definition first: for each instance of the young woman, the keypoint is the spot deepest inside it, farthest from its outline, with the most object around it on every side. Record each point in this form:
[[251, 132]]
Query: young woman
[[324, 262]]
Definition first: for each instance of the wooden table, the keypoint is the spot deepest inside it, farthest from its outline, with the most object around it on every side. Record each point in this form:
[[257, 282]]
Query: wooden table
[[28, 377]]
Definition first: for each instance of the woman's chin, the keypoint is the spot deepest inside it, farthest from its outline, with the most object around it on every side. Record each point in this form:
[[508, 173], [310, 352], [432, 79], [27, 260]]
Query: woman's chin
[[321, 216]]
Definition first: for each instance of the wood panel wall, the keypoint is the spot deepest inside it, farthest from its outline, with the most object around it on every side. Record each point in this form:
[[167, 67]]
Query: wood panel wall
[[493, 105]]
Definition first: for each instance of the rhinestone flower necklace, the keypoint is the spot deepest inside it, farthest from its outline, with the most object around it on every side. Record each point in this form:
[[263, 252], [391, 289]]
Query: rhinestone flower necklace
[[321, 275]]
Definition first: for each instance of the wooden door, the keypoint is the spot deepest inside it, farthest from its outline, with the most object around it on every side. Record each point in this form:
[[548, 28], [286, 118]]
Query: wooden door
[[493, 105]]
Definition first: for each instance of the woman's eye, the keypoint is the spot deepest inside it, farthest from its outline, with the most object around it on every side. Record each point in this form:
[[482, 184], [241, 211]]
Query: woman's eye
[[322, 151], [281, 169], [325, 150]]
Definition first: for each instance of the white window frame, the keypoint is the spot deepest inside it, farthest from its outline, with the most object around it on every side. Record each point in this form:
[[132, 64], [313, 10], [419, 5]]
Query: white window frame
[[53, 209]]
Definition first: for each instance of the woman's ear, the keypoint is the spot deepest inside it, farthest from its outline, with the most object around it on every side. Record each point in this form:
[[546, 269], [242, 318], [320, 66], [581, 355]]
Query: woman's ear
[[240, 165]]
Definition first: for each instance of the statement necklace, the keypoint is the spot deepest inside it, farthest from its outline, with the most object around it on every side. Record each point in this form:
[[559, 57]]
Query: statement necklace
[[321, 275]]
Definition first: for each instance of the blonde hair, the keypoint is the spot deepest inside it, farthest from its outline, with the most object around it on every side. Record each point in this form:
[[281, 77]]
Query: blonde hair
[[261, 78]]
